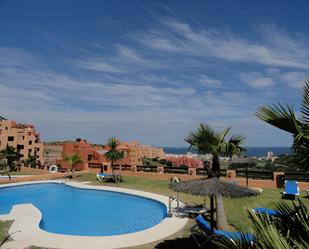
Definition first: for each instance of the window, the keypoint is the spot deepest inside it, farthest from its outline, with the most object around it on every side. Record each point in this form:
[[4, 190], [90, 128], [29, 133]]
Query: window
[[30, 142], [20, 146], [89, 157], [10, 138]]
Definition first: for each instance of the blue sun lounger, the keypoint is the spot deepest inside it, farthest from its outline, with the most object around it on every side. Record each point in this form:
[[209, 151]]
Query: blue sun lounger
[[266, 211], [205, 229], [291, 189]]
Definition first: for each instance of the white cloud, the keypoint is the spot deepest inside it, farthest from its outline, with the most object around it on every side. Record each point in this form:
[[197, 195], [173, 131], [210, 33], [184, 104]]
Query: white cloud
[[208, 81], [178, 37], [291, 78], [256, 79], [295, 79], [129, 53], [97, 64], [142, 92]]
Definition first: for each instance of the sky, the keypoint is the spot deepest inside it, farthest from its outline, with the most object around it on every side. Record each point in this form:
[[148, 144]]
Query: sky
[[151, 70]]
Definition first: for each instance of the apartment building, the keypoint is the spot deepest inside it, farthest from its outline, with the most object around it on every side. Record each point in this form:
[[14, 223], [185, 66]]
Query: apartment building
[[134, 153], [152, 152], [24, 138], [185, 160], [53, 153], [93, 155]]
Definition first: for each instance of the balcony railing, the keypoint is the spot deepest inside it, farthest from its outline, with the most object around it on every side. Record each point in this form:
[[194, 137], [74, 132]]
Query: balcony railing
[[298, 176], [255, 174], [203, 172], [146, 168], [123, 167], [175, 170]]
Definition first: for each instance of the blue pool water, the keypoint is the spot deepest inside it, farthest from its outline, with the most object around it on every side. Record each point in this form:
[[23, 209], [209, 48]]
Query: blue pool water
[[72, 211]]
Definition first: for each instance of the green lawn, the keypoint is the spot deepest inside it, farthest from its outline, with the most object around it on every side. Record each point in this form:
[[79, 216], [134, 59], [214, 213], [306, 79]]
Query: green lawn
[[236, 209], [4, 227]]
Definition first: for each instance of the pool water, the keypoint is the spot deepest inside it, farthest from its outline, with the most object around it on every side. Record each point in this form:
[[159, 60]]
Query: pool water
[[73, 211]]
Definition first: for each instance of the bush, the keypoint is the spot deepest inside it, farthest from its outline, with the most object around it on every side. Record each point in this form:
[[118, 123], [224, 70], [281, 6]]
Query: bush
[[169, 164], [182, 166]]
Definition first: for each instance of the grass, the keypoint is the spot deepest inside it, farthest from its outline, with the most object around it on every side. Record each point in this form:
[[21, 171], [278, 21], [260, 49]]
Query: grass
[[236, 209], [4, 227]]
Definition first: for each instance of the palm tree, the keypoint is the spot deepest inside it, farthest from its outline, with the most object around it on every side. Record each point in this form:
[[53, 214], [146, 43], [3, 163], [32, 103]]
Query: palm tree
[[284, 118], [11, 155], [113, 154], [31, 161], [208, 141], [73, 159]]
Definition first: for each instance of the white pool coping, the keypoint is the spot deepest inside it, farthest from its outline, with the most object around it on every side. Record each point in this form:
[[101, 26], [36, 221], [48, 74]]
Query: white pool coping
[[27, 218]]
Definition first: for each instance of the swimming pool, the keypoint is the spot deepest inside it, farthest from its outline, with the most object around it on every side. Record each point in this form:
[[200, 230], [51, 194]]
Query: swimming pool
[[73, 211]]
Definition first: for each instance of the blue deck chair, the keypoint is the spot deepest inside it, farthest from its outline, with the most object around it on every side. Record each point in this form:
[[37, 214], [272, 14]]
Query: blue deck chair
[[203, 228], [291, 189], [266, 211]]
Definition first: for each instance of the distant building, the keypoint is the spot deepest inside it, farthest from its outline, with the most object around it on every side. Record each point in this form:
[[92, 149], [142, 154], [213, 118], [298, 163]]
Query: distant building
[[134, 153], [24, 138], [185, 160], [152, 152], [93, 155], [270, 155]]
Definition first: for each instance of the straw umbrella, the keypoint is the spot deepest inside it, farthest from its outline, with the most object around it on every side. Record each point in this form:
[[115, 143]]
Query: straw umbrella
[[215, 189], [246, 162]]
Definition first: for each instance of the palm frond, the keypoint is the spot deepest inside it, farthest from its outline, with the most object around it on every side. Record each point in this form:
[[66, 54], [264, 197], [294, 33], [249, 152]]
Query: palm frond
[[267, 234], [73, 159], [280, 117], [294, 221], [113, 154], [203, 139], [223, 134], [242, 242], [305, 103]]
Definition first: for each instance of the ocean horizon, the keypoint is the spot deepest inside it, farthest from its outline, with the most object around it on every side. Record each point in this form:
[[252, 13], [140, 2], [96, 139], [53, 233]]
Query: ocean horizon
[[257, 151]]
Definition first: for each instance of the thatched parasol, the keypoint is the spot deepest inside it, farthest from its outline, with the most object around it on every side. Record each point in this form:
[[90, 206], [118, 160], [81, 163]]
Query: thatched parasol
[[213, 188], [246, 162]]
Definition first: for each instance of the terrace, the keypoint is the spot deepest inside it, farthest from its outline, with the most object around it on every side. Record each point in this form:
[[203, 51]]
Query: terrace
[[236, 209]]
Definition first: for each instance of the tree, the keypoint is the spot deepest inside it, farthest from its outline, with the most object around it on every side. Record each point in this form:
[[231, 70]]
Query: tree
[[31, 161], [73, 160], [11, 155], [207, 141], [284, 118], [113, 154]]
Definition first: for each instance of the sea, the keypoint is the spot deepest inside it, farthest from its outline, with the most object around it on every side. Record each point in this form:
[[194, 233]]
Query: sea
[[251, 151]]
